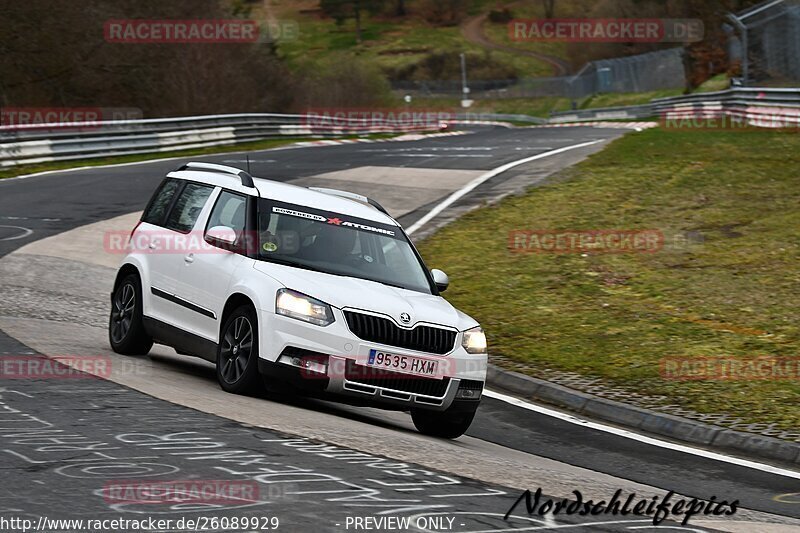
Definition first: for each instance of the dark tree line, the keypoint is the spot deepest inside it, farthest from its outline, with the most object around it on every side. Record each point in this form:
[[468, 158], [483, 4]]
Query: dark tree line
[[703, 59], [55, 54]]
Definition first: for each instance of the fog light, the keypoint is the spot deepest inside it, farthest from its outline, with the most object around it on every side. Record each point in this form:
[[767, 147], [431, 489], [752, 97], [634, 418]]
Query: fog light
[[307, 363], [316, 366], [469, 389]]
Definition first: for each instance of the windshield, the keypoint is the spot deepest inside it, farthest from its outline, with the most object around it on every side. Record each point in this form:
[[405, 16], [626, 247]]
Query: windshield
[[338, 244]]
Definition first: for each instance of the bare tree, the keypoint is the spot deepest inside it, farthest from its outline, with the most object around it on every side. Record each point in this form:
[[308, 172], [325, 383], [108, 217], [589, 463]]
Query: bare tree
[[549, 8], [442, 12], [341, 10], [55, 55]]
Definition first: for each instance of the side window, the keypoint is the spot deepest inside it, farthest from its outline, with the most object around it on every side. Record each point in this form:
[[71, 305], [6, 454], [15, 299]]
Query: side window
[[187, 208], [157, 208], [230, 210]]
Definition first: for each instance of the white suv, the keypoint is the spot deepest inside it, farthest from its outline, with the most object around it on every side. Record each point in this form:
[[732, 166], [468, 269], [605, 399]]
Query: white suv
[[314, 290]]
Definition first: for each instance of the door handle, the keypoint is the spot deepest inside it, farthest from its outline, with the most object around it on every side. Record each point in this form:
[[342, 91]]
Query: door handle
[[152, 246], [189, 258]]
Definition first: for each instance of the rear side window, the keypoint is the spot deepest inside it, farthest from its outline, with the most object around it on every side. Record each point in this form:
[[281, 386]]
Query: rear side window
[[188, 206], [157, 208], [230, 211]]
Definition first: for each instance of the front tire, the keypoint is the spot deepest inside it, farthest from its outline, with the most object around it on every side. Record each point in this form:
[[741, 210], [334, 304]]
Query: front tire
[[237, 353], [126, 332], [442, 424]]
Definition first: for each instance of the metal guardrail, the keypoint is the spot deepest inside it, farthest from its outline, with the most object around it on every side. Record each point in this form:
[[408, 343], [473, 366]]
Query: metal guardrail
[[495, 118], [757, 107], [28, 144], [759, 94], [761, 107], [605, 113]]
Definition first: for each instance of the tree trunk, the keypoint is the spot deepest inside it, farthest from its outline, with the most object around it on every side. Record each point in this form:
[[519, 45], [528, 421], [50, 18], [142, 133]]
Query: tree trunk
[[549, 8], [357, 14]]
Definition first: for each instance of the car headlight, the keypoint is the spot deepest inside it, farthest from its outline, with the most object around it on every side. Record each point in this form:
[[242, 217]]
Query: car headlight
[[296, 305], [474, 341]]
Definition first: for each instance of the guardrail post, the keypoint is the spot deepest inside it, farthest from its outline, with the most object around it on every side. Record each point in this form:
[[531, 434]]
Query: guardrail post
[[745, 51]]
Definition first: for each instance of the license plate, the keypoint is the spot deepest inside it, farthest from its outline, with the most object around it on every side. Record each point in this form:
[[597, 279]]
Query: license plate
[[402, 363]]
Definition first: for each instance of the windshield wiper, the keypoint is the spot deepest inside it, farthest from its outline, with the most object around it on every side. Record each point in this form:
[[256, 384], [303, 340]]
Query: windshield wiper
[[286, 262], [388, 284], [304, 266]]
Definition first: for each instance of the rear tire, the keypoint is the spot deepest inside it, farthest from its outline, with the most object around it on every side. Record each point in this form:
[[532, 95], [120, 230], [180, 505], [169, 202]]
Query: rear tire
[[442, 424], [126, 332], [237, 353]]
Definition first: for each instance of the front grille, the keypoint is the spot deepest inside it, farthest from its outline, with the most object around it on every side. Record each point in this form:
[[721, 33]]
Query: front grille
[[384, 331], [470, 384], [385, 379]]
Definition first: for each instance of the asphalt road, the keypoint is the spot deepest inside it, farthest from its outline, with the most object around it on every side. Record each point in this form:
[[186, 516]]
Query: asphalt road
[[55, 203], [121, 432]]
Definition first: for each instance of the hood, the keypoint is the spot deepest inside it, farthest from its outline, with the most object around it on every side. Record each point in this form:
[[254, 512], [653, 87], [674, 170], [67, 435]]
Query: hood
[[355, 293]]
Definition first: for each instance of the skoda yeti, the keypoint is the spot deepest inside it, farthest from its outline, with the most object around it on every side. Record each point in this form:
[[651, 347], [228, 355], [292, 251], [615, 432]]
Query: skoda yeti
[[317, 291]]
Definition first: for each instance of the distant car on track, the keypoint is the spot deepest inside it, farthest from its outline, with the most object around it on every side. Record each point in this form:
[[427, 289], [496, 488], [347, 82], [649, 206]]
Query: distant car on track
[[316, 290]]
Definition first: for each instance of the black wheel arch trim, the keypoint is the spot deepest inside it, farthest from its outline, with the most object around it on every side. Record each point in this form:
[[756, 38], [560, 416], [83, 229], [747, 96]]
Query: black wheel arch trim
[[183, 341]]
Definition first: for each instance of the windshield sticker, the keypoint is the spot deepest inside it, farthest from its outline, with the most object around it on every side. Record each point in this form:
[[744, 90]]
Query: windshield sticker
[[334, 221], [300, 214], [365, 228], [270, 247]]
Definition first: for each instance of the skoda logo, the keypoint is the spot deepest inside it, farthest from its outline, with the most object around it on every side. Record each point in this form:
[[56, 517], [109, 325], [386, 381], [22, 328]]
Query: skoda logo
[[405, 318]]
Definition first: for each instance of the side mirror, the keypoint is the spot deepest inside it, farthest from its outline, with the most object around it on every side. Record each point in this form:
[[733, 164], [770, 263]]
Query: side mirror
[[221, 236], [440, 279]]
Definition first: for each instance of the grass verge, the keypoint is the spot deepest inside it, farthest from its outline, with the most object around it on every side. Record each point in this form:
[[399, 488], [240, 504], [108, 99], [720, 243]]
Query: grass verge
[[725, 283], [543, 106]]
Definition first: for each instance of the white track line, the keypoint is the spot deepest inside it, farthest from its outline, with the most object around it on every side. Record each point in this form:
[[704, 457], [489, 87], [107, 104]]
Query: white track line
[[450, 200], [571, 418], [25, 233]]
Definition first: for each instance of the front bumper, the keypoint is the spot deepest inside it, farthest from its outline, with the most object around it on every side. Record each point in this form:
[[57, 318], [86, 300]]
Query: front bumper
[[320, 361], [338, 388]]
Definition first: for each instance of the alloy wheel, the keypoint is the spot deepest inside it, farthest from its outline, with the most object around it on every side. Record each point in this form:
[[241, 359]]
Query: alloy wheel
[[122, 313], [237, 345]]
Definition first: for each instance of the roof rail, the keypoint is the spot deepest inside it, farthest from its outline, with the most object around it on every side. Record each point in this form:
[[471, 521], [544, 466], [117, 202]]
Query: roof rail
[[247, 179], [352, 196]]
